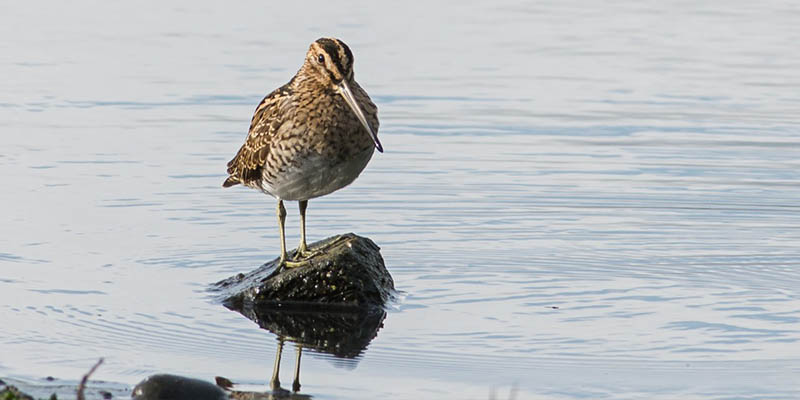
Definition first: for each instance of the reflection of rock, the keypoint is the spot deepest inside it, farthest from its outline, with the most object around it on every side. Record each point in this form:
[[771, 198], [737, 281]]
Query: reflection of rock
[[342, 334], [343, 272]]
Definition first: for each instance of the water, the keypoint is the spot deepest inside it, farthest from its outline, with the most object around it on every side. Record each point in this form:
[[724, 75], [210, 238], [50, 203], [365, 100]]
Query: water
[[577, 200]]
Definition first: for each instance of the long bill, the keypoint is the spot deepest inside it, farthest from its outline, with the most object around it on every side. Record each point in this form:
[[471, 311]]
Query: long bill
[[344, 90]]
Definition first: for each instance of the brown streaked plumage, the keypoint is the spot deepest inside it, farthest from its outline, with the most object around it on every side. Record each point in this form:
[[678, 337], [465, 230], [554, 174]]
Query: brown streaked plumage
[[310, 137]]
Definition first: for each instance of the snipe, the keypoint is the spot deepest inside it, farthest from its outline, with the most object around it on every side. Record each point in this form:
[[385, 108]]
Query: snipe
[[310, 137]]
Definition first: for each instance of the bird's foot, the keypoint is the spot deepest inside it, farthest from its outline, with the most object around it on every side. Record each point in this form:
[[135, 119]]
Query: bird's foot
[[304, 254], [293, 264], [289, 264], [299, 258]]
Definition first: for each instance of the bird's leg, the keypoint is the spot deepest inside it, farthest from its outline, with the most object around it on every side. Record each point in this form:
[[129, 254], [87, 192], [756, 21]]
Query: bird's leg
[[296, 383], [284, 262], [281, 211], [302, 249]]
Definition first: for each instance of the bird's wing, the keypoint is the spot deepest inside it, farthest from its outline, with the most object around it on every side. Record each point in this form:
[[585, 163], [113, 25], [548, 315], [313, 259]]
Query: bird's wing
[[272, 113]]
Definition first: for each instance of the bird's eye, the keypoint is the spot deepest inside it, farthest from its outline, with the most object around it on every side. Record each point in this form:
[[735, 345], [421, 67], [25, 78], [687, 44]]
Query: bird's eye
[[321, 59]]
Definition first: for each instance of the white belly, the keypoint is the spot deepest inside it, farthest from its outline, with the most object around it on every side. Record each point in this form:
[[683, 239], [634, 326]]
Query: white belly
[[315, 177]]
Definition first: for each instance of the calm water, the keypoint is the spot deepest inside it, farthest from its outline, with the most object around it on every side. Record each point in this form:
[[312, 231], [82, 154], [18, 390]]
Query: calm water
[[577, 200]]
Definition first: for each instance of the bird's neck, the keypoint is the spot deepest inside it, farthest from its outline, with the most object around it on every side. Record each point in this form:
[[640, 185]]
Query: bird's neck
[[306, 79]]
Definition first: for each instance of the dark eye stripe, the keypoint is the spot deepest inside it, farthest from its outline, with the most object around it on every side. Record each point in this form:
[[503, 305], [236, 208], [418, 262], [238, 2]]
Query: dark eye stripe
[[331, 48]]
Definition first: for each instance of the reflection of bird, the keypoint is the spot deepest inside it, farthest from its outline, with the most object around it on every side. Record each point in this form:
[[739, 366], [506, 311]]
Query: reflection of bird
[[310, 137], [276, 392]]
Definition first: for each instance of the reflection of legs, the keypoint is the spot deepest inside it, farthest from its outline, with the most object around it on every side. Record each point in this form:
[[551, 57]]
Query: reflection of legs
[[296, 383], [275, 382]]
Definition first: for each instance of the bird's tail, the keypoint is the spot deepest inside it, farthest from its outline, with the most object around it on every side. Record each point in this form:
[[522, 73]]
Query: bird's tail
[[230, 182]]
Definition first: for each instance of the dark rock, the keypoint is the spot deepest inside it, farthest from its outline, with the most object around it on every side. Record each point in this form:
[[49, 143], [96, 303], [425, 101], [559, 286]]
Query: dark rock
[[345, 272], [223, 382], [174, 387]]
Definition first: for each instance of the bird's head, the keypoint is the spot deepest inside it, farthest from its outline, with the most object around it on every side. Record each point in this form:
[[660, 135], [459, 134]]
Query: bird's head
[[330, 61]]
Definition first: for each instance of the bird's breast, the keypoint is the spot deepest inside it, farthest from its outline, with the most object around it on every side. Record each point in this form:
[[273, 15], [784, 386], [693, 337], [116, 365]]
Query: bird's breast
[[314, 175]]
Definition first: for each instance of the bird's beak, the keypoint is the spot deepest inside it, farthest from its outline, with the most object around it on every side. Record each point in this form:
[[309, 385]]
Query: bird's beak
[[344, 90]]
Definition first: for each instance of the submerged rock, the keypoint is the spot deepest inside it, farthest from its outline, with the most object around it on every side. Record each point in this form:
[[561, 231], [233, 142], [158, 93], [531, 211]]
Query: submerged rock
[[175, 387], [344, 272]]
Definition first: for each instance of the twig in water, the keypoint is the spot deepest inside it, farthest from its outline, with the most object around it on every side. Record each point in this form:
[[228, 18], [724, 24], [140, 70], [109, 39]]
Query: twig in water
[[82, 386]]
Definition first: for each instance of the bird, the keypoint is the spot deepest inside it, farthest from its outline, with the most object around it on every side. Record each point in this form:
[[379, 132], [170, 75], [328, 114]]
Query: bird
[[308, 138]]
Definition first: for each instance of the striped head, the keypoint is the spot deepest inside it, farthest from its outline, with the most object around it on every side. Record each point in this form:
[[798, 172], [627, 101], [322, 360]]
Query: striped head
[[331, 59], [331, 63]]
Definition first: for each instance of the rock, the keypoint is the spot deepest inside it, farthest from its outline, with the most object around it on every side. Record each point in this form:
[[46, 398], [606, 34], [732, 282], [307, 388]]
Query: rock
[[345, 272], [175, 387]]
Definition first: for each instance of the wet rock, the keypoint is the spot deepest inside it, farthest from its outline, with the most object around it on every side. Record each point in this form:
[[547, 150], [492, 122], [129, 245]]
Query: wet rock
[[344, 272], [174, 387]]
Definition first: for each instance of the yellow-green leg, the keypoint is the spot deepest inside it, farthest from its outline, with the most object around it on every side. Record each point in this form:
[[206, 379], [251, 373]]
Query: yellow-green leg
[[281, 211], [302, 249]]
